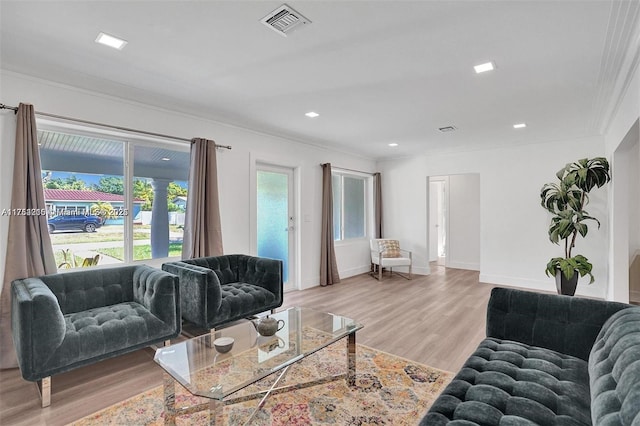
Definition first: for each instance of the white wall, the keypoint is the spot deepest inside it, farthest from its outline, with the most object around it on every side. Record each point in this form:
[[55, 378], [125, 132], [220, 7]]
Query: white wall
[[404, 205], [234, 167], [634, 196], [464, 222], [624, 214], [625, 113], [514, 245]]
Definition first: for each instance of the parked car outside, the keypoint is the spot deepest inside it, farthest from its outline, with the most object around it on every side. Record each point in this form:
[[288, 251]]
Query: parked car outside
[[86, 223]]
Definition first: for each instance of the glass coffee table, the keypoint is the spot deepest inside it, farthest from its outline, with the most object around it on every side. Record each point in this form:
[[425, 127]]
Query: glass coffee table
[[197, 365]]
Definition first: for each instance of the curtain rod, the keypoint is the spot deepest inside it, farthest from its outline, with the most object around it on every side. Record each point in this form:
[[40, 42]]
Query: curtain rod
[[349, 170], [109, 126]]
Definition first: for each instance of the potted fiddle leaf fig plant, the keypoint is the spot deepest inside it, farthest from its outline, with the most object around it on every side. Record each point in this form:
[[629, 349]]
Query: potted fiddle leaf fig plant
[[566, 200]]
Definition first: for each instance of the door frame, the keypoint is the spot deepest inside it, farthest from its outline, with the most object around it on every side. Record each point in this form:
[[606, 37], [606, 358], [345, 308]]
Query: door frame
[[264, 162], [444, 179]]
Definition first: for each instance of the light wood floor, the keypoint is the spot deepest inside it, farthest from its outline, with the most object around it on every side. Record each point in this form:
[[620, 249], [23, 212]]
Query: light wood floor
[[436, 320]]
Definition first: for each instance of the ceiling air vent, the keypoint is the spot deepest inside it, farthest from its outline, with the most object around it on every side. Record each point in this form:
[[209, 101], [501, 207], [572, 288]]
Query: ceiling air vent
[[447, 129], [284, 19]]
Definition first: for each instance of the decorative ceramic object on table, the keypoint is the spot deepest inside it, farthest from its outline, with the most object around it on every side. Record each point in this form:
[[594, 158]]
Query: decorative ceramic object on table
[[268, 326], [223, 344]]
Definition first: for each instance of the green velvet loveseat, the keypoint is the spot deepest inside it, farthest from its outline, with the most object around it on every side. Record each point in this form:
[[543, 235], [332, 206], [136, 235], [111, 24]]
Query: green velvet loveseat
[[219, 289], [548, 360], [68, 320]]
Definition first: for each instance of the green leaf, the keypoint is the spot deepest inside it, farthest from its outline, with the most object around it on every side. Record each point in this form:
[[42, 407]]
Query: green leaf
[[577, 264], [566, 200], [582, 229], [568, 270]]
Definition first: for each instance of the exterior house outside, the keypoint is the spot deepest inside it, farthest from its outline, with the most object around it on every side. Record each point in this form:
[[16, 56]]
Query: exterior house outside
[[181, 202], [75, 201]]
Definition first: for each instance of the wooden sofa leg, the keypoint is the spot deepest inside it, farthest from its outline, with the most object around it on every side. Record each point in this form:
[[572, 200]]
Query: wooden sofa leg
[[44, 387], [167, 342]]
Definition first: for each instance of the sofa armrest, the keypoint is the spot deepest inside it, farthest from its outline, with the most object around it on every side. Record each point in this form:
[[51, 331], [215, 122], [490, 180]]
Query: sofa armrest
[[158, 291], [562, 323], [37, 325], [263, 272], [200, 291]]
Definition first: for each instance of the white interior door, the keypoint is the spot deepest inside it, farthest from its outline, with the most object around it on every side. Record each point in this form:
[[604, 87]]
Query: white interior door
[[437, 220], [275, 220]]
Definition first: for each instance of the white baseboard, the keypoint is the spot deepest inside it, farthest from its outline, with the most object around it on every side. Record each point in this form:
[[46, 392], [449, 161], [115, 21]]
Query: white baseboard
[[310, 283], [541, 285], [463, 265], [421, 270], [346, 273]]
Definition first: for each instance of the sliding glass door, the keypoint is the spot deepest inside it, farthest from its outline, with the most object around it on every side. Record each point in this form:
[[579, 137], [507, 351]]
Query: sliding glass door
[[112, 201]]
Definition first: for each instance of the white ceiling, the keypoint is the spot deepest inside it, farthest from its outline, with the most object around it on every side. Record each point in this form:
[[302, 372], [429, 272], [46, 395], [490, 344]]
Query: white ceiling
[[376, 71]]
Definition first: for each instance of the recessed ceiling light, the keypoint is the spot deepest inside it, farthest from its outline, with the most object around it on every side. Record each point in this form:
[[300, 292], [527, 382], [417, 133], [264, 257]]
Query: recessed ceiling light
[[312, 114], [393, 144], [488, 66], [111, 41], [520, 126], [165, 158]]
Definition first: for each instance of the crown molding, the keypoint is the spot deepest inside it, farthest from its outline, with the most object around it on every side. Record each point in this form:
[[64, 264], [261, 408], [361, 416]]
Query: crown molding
[[620, 60]]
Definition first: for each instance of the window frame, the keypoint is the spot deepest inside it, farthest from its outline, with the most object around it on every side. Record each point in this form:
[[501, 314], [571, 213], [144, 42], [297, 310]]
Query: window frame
[[129, 142], [367, 179]]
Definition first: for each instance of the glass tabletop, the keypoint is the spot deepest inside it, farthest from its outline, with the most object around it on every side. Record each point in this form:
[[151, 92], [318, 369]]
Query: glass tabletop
[[198, 366]]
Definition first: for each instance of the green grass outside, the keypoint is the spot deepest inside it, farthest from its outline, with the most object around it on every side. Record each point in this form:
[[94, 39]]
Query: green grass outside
[[140, 252], [104, 234]]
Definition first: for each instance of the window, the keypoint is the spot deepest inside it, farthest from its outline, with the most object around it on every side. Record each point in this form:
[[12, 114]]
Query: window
[[96, 212], [349, 208], [159, 172]]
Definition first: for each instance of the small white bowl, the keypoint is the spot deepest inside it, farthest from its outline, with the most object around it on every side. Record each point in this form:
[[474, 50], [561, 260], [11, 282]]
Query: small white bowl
[[223, 344]]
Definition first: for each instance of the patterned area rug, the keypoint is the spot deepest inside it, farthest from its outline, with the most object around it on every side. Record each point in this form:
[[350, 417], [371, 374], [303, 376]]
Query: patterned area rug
[[389, 391]]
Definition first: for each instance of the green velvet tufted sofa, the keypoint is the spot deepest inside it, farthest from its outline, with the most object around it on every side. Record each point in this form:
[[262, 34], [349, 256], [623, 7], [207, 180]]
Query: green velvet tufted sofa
[[548, 360], [68, 320], [219, 289]]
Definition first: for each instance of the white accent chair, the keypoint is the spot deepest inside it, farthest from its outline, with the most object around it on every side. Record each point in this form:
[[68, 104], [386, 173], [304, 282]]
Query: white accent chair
[[387, 254]]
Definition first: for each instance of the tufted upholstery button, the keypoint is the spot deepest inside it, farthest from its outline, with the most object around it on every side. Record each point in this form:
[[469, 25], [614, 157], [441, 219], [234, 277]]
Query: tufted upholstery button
[[497, 379], [538, 393], [510, 357], [542, 365], [477, 412], [505, 367], [489, 395], [514, 421]]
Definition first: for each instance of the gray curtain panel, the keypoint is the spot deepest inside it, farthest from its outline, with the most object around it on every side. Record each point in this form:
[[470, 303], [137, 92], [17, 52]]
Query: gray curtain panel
[[202, 229], [328, 266], [377, 204], [29, 252]]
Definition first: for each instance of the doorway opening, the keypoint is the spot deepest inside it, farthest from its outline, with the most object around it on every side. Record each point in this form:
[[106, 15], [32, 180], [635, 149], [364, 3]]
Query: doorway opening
[[454, 221], [438, 222]]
